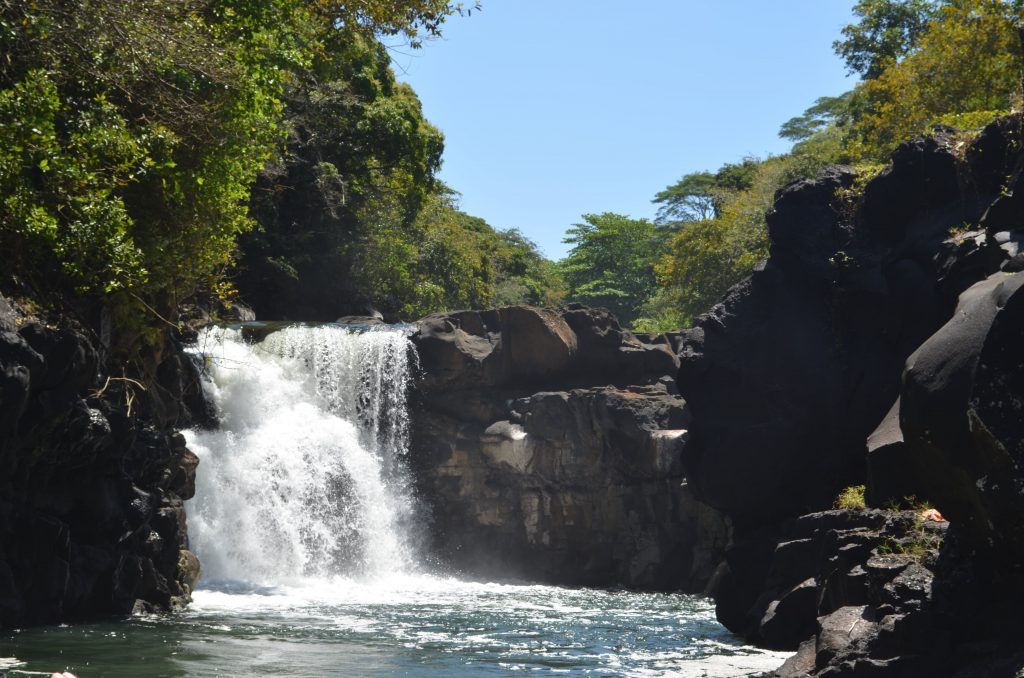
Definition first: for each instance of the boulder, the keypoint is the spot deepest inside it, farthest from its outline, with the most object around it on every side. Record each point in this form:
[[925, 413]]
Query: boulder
[[960, 417], [521, 346], [790, 618], [800, 362]]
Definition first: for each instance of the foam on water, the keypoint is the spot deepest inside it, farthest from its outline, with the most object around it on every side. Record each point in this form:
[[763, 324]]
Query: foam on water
[[304, 523]]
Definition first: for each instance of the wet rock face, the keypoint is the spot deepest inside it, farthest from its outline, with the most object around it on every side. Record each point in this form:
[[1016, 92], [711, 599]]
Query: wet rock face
[[93, 478], [532, 473]]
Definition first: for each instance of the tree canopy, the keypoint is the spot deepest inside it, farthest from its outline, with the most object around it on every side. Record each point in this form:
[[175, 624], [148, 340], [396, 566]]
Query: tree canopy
[[158, 152], [885, 32], [611, 263]]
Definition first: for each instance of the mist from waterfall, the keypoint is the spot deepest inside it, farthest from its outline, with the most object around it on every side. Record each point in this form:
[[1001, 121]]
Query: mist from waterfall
[[305, 476]]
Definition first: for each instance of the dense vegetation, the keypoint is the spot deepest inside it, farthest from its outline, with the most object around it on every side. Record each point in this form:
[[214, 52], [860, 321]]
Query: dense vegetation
[[922, 63], [161, 153]]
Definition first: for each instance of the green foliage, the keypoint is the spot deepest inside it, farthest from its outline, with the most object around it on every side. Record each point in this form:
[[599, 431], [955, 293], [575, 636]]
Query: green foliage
[[358, 163], [611, 263], [701, 195], [134, 132], [692, 198], [57, 174], [446, 260], [412, 19], [910, 503], [521, 274], [706, 257], [825, 112], [851, 498], [968, 60], [886, 30]]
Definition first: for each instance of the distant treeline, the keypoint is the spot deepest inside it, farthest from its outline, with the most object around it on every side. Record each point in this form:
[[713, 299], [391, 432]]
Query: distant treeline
[[922, 63]]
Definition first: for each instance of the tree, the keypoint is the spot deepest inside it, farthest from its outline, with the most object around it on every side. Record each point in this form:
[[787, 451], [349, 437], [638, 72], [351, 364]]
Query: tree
[[701, 195], [967, 62], [690, 199], [360, 157], [134, 132], [611, 263], [826, 111], [887, 30], [522, 275], [150, 121]]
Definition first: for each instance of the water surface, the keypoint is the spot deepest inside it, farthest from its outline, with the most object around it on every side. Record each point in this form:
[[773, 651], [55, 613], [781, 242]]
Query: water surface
[[416, 626]]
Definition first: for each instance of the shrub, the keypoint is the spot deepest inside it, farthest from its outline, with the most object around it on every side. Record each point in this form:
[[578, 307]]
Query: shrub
[[851, 498]]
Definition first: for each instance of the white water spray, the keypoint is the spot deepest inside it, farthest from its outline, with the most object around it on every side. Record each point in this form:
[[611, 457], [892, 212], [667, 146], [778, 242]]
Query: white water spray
[[306, 475]]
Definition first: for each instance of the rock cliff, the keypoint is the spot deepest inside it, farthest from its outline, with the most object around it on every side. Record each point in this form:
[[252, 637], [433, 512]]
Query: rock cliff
[[92, 476], [547, 446], [877, 344]]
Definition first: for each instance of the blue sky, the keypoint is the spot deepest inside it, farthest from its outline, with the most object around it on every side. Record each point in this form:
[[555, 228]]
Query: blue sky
[[553, 109]]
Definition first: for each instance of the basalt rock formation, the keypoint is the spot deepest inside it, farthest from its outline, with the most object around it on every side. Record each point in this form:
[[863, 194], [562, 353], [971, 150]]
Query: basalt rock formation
[[547, 447], [92, 477], [879, 343]]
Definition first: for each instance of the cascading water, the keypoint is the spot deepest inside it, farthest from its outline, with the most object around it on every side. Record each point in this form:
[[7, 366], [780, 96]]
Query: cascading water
[[303, 522], [305, 477]]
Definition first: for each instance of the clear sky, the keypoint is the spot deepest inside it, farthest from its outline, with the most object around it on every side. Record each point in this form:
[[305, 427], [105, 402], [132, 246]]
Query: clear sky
[[553, 109]]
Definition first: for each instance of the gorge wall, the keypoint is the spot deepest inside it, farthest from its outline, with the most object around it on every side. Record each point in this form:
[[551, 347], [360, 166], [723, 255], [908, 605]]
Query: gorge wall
[[93, 476], [879, 343], [547, 447]]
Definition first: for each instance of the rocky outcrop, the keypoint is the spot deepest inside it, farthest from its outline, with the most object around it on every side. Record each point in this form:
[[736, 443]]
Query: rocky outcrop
[[877, 343], [547, 444], [93, 477], [803, 359], [959, 422], [848, 589]]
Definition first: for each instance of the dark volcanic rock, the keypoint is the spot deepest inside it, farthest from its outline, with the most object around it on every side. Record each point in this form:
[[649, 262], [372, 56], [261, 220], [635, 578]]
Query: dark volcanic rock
[[962, 409], [541, 461], [91, 523], [802, 360], [886, 326], [865, 606], [522, 346]]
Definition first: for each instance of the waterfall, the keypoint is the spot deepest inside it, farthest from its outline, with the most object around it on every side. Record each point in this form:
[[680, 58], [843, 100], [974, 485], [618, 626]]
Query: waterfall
[[306, 475]]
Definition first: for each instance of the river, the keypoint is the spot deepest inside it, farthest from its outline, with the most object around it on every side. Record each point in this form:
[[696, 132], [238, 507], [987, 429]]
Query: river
[[311, 544]]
